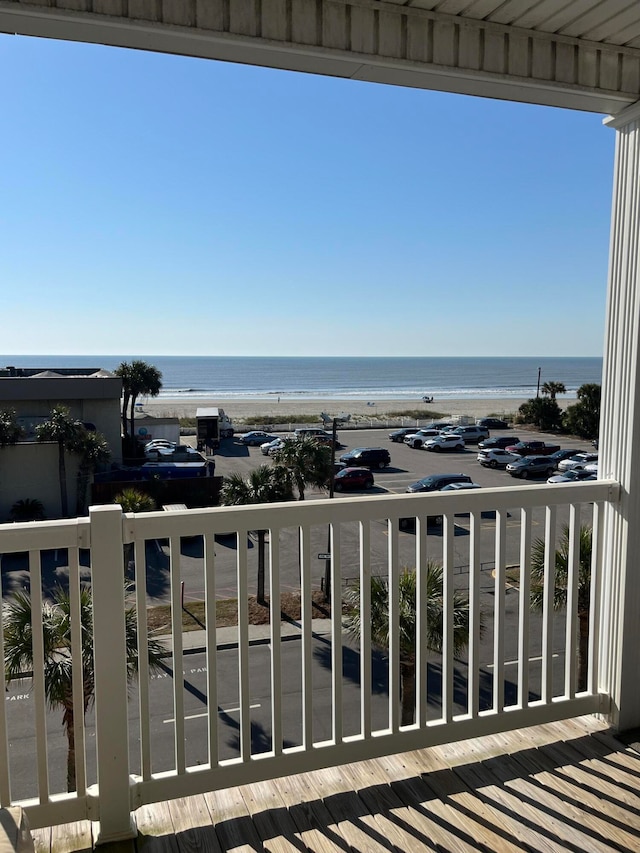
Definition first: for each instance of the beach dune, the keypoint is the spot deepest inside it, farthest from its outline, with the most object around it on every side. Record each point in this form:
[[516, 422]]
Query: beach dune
[[288, 407]]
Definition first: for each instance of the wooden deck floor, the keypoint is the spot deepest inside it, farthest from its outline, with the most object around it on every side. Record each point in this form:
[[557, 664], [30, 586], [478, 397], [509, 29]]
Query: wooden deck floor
[[562, 787]]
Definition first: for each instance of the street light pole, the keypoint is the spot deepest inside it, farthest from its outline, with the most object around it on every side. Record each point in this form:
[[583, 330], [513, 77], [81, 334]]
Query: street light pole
[[538, 388]]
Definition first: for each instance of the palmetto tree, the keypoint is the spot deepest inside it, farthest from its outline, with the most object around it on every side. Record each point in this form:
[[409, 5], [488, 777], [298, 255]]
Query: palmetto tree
[[553, 388], [138, 378], [265, 484], [561, 582], [379, 618], [94, 450], [308, 461], [55, 622], [27, 509], [133, 500], [66, 431]]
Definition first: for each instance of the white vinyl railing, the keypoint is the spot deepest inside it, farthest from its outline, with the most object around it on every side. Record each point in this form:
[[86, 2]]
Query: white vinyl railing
[[323, 700]]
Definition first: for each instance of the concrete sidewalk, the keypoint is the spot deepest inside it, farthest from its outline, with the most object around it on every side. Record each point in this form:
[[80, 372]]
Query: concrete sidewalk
[[194, 642]]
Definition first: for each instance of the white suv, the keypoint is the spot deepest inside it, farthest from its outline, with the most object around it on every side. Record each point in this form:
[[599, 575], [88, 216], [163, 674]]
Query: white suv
[[418, 438], [470, 434], [446, 441]]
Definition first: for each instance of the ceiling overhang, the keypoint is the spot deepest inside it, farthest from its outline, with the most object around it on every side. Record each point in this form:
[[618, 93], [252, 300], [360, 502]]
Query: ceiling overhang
[[384, 42]]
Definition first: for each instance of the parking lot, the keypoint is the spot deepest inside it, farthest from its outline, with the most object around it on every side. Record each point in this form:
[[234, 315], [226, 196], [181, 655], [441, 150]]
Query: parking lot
[[406, 466]]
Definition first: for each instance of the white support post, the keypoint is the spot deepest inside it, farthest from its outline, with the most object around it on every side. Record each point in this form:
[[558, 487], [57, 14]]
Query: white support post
[[619, 649], [110, 664]]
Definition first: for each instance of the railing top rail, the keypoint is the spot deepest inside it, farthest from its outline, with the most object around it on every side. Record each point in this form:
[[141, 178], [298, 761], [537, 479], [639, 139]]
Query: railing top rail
[[157, 525], [44, 535]]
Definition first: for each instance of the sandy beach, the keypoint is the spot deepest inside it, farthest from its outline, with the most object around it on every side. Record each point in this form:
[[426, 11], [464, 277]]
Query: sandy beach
[[238, 409]]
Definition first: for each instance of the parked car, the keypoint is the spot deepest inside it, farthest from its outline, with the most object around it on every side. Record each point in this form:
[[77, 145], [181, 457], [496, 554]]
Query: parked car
[[255, 438], [398, 434], [532, 448], [531, 466], [416, 439], [492, 423], [314, 431], [470, 434], [496, 457], [436, 482], [573, 476], [460, 487], [352, 478], [432, 483], [367, 457], [578, 460], [159, 442], [270, 447], [444, 442], [559, 455], [500, 441]]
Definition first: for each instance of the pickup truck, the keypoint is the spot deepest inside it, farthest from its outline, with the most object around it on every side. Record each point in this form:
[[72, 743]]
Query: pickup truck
[[533, 448]]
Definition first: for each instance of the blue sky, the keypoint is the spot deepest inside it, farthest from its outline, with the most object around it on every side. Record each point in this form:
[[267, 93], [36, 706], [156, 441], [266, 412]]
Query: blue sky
[[176, 206]]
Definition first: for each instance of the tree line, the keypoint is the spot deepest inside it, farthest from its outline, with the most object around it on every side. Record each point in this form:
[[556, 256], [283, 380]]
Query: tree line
[[581, 419]]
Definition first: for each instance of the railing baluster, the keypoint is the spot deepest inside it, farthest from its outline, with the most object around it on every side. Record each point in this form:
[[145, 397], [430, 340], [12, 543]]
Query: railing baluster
[[473, 681], [449, 532], [395, 650], [595, 599], [547, 612], [77, 671], [5, 779], [211, 645], [176, 635], [243, 647], [39, 691], [498, 612], [573, 577], [336, 634], [524, 608], [365, 629], [307, 647], [143, 659], [276, 642], [422, 658]]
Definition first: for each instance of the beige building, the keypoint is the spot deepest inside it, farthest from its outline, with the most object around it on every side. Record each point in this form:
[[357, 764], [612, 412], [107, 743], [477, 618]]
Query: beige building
[[30, 470]]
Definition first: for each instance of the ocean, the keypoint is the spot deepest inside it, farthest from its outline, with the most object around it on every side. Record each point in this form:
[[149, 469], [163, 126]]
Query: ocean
[[327, 377]]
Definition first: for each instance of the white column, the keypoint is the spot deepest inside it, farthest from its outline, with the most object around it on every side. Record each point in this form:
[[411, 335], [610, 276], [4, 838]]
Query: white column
[[620, 434], [110, 664]]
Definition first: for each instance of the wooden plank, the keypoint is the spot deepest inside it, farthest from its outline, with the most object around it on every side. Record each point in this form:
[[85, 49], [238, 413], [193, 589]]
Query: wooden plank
[[569, 822], [155, 829], [393, 817], [232, 821], [520, 817], [193, 825], [622, 825], [311, 817], [270, 817], [73, 837], [348, 812]]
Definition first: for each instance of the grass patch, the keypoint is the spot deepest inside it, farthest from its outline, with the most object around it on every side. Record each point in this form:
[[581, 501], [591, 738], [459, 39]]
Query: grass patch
[[194, 616], [188, 422], [417, 414], [280, 418]]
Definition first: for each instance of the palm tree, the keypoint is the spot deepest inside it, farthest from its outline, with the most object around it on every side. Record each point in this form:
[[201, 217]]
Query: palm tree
[[27, 509], [10, 431], [264, 484], [132, 500], [379, 617], [553, 388], [55, 623], [138, 378], [66, 432], [94, 450], [561, 582], [308, 461]]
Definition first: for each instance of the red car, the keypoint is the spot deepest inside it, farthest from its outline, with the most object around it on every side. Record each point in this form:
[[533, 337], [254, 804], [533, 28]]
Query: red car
[[352, 478]]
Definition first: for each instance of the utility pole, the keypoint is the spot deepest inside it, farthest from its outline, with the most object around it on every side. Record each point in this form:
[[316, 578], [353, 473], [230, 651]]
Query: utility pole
[[538, 388], [327, 564]]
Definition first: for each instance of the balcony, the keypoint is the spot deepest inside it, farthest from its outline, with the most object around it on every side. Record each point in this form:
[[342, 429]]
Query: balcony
[[313, 698]]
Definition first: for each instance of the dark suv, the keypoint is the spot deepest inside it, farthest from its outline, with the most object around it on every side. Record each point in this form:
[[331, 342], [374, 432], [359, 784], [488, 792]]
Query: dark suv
[[367, 457], [434, 482]]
